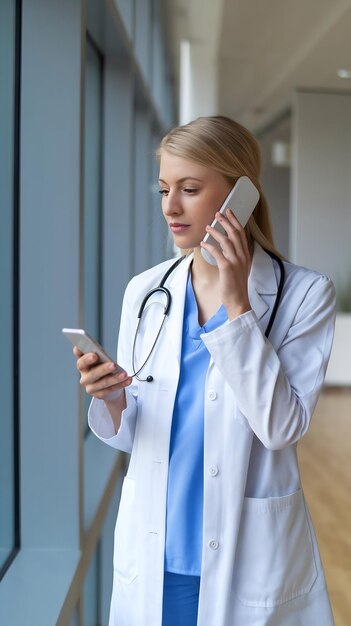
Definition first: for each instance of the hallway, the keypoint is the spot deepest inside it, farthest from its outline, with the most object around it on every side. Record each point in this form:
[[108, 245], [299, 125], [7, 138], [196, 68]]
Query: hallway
[[325, 455]]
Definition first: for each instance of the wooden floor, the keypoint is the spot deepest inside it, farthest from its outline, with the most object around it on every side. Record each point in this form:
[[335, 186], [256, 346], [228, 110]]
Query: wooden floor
[[325, 461]]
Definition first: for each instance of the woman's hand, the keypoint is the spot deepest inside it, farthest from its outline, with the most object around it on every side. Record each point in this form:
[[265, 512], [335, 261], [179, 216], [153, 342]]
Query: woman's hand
[[104, 381], [233, 261]]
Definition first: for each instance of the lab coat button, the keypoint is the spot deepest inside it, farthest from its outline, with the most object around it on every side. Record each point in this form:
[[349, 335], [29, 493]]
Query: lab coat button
[[212, 394], [213, 470], [213, 544]]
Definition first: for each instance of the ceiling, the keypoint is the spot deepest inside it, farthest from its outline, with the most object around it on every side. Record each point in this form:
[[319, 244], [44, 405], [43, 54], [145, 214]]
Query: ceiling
[[266, 49]]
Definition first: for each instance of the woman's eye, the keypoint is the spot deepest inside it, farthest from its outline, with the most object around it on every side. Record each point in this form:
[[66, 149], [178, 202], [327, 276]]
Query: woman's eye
[[187, 190], [190, 190]]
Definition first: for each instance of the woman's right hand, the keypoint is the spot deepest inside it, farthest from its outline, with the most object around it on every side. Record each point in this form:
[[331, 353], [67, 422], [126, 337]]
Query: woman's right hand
[[104, 381]]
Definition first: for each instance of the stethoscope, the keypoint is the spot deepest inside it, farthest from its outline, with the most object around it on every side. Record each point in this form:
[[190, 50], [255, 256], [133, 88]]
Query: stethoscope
[[168, 299]]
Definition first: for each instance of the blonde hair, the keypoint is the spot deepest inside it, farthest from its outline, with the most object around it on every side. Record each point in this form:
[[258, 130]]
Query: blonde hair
[[224, 145]]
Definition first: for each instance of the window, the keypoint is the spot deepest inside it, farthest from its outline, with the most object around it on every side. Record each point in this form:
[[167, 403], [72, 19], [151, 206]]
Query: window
[[9, 57], [77, 190]]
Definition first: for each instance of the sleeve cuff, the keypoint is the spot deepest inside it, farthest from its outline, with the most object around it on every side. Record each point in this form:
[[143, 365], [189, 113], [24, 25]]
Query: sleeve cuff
[[101, 423], [222, 333]]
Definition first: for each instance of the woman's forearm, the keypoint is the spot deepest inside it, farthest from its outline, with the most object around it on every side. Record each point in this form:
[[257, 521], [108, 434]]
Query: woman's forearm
[[115, 407]]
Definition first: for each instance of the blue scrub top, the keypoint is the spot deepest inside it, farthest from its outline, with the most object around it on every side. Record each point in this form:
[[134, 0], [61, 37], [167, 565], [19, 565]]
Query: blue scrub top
[[185, 478]]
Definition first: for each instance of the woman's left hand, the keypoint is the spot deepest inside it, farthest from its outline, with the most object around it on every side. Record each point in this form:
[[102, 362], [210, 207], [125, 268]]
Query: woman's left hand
[[233, 261]]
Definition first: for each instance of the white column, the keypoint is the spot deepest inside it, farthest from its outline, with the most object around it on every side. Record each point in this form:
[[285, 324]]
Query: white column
[[198, 81], [199, 67], [321, 205]]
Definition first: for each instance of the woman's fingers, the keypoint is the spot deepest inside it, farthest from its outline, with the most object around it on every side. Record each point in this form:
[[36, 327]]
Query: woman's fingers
[[94, 373], [100, 379], [85, 361], [233, 260], [77, 352], [108, 383], [233, 222], [89, 364], [110, 393], [233, 244], [97, 374], [214, 251]]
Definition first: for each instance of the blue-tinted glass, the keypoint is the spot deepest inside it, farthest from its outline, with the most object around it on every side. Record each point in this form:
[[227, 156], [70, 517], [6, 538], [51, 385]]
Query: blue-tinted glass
[[126, 9], [7, 100], [142, 43]]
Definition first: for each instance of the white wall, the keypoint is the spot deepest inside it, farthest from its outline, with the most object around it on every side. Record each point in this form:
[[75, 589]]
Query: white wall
[[276, 183], [321, 184]]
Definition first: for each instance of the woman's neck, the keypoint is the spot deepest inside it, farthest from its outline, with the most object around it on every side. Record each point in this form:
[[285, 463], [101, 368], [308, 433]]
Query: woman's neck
[[204, 278], [202, 272]]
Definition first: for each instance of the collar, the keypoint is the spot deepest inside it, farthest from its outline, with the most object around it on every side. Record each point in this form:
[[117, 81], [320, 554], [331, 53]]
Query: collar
[[262, 280]]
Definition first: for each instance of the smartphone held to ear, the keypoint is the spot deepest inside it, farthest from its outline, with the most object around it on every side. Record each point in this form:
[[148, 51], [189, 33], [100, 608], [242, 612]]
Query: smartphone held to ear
[[241, 200]]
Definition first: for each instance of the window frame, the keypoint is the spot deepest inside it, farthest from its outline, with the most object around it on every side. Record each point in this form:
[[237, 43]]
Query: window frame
[[97, 332]]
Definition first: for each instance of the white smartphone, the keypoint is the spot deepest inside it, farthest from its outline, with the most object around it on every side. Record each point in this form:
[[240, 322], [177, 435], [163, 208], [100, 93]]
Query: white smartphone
[[241, 200], [78, 337]]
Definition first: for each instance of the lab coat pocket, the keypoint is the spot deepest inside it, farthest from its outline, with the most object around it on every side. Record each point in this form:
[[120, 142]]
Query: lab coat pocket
[[275, 560], [125, 550]]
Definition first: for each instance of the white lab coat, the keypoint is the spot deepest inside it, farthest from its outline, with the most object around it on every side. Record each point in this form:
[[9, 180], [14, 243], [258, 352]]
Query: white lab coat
[[260, 560]]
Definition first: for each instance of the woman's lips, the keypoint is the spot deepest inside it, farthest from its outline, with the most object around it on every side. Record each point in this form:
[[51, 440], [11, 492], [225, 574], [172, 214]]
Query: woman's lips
[[178, 228]]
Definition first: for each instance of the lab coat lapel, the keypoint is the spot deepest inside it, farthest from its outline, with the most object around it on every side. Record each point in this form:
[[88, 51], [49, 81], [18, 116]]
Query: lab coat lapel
[[177, 285], [262, 282]]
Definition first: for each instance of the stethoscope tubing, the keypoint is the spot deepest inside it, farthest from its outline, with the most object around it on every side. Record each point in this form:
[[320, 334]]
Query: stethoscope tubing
[[279, 291], [136, 373], [162, 289]]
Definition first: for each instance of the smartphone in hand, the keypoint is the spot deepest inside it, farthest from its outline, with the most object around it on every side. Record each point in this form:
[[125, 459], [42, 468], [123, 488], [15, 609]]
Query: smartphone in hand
[[241, 200], [80, 338]]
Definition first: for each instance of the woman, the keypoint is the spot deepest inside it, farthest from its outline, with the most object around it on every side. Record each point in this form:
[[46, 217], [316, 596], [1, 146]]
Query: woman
[[213, 528]]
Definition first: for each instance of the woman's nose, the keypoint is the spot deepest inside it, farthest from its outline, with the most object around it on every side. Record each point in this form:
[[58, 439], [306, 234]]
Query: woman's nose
[[171, 205]]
